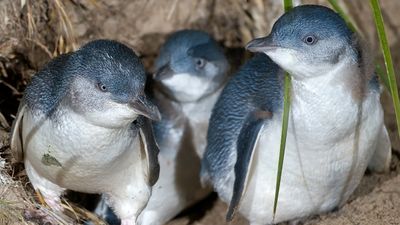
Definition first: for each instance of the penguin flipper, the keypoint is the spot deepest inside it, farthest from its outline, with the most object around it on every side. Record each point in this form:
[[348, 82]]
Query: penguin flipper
[[151, 150], [246, 144], [16, 144], [380, 161]]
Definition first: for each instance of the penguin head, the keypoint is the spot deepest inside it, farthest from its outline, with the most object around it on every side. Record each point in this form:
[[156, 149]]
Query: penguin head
[[190, 65], [107, 84], [308, 41]]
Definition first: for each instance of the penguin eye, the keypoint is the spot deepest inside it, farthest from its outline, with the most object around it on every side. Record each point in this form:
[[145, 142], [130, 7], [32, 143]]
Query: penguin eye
[[310, 40], [200, 63], [102, 87]]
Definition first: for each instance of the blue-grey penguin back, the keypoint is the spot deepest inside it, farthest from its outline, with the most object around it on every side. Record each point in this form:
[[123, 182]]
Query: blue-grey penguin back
[[257, 85], [49, 85]]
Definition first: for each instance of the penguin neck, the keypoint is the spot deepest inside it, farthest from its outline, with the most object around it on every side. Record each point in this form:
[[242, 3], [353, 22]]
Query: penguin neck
[[214, 92], [325, 101], [163, 93], [344, 77]]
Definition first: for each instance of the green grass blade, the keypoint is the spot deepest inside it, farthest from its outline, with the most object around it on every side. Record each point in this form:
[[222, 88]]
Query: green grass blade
[[288, 5], [388, 59], [382, 76], [285, 121], [342, 14]]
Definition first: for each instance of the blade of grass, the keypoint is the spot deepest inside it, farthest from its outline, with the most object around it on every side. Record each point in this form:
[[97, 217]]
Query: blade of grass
[[342, 14], [288, 5], [382, 76], [388, 59], [285, 121]]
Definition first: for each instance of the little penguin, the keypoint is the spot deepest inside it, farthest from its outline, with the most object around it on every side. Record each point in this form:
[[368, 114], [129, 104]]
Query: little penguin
[[191, 70], [84, 124], [335, 130]]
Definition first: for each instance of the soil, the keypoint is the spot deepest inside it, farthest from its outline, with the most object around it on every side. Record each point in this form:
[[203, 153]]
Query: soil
[[32, 32]]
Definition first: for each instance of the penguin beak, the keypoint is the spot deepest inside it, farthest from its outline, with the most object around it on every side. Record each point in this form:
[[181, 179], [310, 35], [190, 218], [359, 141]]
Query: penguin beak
[[263, 44], [164, 72], [146, 108]]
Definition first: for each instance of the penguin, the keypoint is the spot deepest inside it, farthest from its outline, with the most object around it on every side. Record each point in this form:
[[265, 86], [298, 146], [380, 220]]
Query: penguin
[[335, 131], [84, 124]]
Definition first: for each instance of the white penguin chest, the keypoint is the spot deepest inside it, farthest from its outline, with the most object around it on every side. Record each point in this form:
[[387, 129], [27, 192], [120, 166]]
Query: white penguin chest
[[198, 115], [79, 156], [180, 156], [329, 145]]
